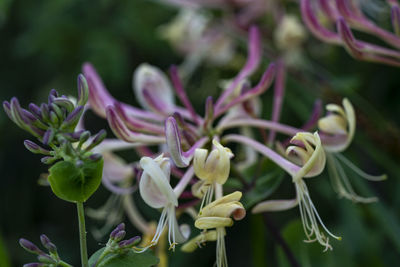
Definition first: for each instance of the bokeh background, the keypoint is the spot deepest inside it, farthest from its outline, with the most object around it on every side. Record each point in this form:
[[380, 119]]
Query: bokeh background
[[43, 44]]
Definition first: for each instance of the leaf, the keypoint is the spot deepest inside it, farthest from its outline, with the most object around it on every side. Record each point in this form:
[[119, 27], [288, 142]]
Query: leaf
[[265, 185], [75, 184], [129, 259]]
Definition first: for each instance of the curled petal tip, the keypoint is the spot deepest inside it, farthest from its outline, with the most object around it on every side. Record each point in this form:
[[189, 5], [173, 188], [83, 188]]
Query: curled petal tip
[[174, 144]]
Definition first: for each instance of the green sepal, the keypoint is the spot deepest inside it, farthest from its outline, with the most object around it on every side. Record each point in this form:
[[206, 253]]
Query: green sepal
[[75, 184], [127, 259]]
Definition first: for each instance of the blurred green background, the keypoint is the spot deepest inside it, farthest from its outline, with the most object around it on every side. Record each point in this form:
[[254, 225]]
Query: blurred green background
[[43, 44]]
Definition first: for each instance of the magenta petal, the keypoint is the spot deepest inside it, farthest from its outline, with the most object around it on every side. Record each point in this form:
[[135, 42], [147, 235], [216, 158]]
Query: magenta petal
[[395, 16], [174, 143], [99, 97], [310, 19], [252, 63], [348, 39]]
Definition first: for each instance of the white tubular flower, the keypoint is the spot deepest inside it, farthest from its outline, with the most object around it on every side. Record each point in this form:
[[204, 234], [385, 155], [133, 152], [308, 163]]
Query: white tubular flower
[[157, 193], [312, 157], [218, 215], [306, 151], [153, 90], [340, 122], [210, 168]]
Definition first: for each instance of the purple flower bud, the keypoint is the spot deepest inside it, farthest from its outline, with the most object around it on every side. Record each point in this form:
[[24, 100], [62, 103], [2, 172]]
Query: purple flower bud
[[53, 92], [30, 247], [34, 264], [48, 136], [7, 109], [53, 118], [48, 160], [130, 242], [35, 110], [120, 226], [65, 103], [119, 236], [47, 244], [84, 137], [34, 148], [45, 111], [95, 157], [117, 229], [98, 138], [17, 114], [73, 118], [83, 90]]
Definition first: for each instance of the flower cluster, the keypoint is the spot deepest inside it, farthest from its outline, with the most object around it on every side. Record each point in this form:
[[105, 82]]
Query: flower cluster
[[70, 149], [198, 145]]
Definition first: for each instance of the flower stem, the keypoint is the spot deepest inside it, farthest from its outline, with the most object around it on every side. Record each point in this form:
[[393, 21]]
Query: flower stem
[[82, 234]]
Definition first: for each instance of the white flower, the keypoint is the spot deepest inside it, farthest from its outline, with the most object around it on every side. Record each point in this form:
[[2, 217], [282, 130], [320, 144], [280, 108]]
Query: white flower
[[157, 193]]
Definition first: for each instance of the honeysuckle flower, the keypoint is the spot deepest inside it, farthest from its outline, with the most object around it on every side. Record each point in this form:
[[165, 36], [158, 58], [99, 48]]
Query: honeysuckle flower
[[157, 193], [309, 161], [217, 214], [340, 125], [290, 33], [211, 168], [347, 15], [193, 34]]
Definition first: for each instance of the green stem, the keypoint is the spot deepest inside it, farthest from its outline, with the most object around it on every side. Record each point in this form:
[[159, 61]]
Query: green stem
[[64, 264], [82, 234]]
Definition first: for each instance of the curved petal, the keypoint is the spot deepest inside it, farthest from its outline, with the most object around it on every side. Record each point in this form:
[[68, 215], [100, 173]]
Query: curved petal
[[152, 89], [154, 185]]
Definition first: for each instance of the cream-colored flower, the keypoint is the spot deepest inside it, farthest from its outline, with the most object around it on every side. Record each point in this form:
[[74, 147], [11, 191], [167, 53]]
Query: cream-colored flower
[[341, 124], [157, 192], [218, 215], [211, 168], [306, 151]]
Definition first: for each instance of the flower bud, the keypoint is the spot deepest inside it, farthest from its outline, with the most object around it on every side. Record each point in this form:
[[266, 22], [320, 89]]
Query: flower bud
[[34, 264], [308, 153], [34, 148], [130, 242], [213, 167], [29, 246], [73, 118], [65, 103], [83, 90], [97, 139]]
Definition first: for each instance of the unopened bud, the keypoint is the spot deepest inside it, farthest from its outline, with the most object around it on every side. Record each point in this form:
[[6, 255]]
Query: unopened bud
[[130, 242], [29, 246]]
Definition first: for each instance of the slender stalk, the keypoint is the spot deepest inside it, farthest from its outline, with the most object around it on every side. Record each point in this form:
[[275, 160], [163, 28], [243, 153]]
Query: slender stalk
[[82, 234], [279, 239], [64, 264]]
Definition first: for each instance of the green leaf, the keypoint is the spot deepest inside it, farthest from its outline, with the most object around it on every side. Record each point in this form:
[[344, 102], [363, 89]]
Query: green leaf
[[265, 185], [75, 184], [128, 259]]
